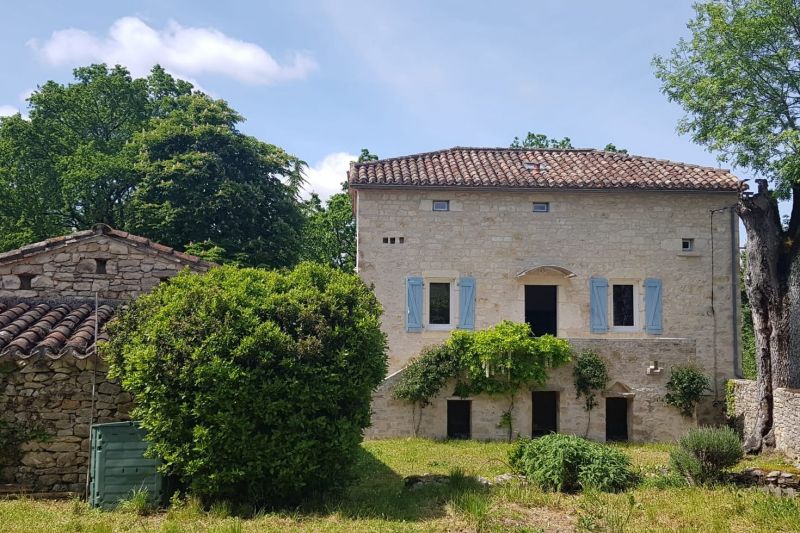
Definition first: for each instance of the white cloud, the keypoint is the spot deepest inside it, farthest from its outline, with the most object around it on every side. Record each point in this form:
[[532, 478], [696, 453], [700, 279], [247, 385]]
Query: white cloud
[[182, 50], [8, 110], [326, 177]]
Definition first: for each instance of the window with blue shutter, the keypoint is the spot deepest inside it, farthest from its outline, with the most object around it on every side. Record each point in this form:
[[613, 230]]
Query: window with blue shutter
[[652, 306], [414, 305], [466, 303], [598, 305]]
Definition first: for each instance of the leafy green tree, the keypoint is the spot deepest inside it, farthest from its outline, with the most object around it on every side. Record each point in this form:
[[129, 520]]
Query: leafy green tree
[[202, 181], [329, 234], [738, 80], [151, 156], [366, 156], [540, 140], [253, 385]]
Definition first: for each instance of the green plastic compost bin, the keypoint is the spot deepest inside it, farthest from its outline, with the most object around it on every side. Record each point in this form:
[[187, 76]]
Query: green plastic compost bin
[[118, 465]]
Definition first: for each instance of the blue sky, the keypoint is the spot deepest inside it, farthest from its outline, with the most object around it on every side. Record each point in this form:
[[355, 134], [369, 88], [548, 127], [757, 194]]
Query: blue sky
[[324, 79]]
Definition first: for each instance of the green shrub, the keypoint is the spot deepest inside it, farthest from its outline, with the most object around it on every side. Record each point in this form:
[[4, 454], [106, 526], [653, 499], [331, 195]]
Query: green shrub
[[685, 387], [253, 385], [705, 453], [568, 463], [590, 375]]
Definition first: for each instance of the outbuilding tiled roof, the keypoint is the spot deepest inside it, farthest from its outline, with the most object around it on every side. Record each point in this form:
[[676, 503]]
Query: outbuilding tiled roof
[[47, 329], [102, 229], [511, 168]]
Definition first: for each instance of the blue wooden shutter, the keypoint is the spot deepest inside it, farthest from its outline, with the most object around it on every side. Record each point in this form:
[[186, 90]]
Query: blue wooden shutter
[[414, 304], [598, 305], [652, 306], [466, 303]]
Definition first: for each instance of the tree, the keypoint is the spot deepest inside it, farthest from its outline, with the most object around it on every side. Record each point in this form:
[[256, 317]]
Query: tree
[[329, 234], [151, 156], [366, 156], [540, 140], [738, 79], [202, 181], [253, 385]]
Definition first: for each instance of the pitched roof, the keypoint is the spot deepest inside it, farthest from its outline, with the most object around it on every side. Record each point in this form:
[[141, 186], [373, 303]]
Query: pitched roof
[[512, 168], [102, 229], [30, 328]]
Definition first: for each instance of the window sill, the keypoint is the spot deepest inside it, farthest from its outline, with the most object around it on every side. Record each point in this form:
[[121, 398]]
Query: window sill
[[625, 329], [439, 327], [689, 254]]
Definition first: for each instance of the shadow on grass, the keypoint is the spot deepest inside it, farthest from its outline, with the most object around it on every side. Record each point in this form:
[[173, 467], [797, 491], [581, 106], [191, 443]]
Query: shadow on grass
[[380, 493]]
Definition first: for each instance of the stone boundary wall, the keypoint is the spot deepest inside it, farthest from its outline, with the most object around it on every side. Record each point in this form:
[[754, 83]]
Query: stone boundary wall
[[650, 418], [786, 414], [56, 394]]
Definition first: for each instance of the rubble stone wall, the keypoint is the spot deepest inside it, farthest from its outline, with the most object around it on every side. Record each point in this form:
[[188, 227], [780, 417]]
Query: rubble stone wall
[[56, 395], [786, 414]]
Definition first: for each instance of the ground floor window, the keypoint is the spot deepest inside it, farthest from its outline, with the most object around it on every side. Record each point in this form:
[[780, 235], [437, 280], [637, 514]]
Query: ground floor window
[[459, 421], [545, 413], [617, 410]]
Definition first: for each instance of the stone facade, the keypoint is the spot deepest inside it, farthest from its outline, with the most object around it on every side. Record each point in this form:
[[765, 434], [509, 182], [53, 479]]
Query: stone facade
[[56, 397], [786, 414], [48, 360], [624, 236]]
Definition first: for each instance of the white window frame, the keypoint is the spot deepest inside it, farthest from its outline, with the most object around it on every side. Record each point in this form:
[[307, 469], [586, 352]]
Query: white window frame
[[433, 206], [637, 319], [426, 307], [546, 204], [690, 241]]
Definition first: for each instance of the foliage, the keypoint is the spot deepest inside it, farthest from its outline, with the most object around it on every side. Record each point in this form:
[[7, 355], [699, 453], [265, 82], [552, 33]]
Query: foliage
[[13, 434], [501, 359], [202, 181], [611, 147], [139, 502], [329, 236], [603, 512], [426, 374], [539, 140], [685, 388], [705, 453], [736, 78], [590, 375], [567, 463], [748, 332], [366, 156], [253, 385], [730, 398], [148, 155]]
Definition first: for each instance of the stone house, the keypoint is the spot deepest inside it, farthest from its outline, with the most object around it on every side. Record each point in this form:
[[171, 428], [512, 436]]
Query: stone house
[[48, 364], [632, 257]]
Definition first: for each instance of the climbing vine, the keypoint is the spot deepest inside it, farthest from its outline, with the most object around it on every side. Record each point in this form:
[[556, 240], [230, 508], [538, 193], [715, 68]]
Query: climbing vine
[[13, 434], [685, 387], [497, 361]]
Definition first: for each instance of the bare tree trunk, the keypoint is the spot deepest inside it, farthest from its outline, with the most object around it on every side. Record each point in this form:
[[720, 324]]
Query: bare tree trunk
[[770, 252]]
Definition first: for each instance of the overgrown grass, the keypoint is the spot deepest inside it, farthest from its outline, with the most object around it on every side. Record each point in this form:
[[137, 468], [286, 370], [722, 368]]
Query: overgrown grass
[[380, 502]]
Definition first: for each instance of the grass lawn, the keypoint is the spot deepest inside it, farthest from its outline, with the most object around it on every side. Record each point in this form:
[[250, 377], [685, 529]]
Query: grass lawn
[[378, 501]]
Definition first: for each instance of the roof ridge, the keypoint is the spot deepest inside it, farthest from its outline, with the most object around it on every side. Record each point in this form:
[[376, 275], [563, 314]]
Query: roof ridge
[[474, 148], [100, 229]]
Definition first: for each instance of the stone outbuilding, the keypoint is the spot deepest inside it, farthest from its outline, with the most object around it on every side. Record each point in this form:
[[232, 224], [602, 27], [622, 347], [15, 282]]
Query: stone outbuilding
[[633, 257], [48, 362]]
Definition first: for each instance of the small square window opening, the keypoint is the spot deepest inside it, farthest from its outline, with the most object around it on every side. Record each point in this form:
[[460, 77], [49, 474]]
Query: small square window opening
[[401, 240], [386, 240], [25, 281], [687, 245], [391, 240], [100, 266], [439, 303], [441, 205], [541, 207]]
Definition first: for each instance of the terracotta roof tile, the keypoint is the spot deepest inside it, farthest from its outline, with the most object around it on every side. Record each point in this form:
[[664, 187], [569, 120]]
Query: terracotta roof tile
[[538, 169], [50, 329]]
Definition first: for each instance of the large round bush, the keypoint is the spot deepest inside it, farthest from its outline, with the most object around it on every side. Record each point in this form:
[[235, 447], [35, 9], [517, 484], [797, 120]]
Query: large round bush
[[567, 463], [253, 385]]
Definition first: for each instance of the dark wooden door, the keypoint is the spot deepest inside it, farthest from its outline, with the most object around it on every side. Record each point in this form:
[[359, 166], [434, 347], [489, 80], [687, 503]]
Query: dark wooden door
[[540, 308], [458, 419], [617, 419], [545, 413]]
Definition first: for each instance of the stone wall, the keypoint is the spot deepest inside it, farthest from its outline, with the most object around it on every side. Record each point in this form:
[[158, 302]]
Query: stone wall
[[56, 394], [650, 419], [786, 414]]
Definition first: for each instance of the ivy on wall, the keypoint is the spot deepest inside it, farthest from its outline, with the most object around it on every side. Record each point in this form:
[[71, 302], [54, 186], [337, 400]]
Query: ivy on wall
[[497, 361]]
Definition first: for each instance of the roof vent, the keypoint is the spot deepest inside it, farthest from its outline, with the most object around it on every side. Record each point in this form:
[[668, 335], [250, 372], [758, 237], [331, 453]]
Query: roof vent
[[532, 165]]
